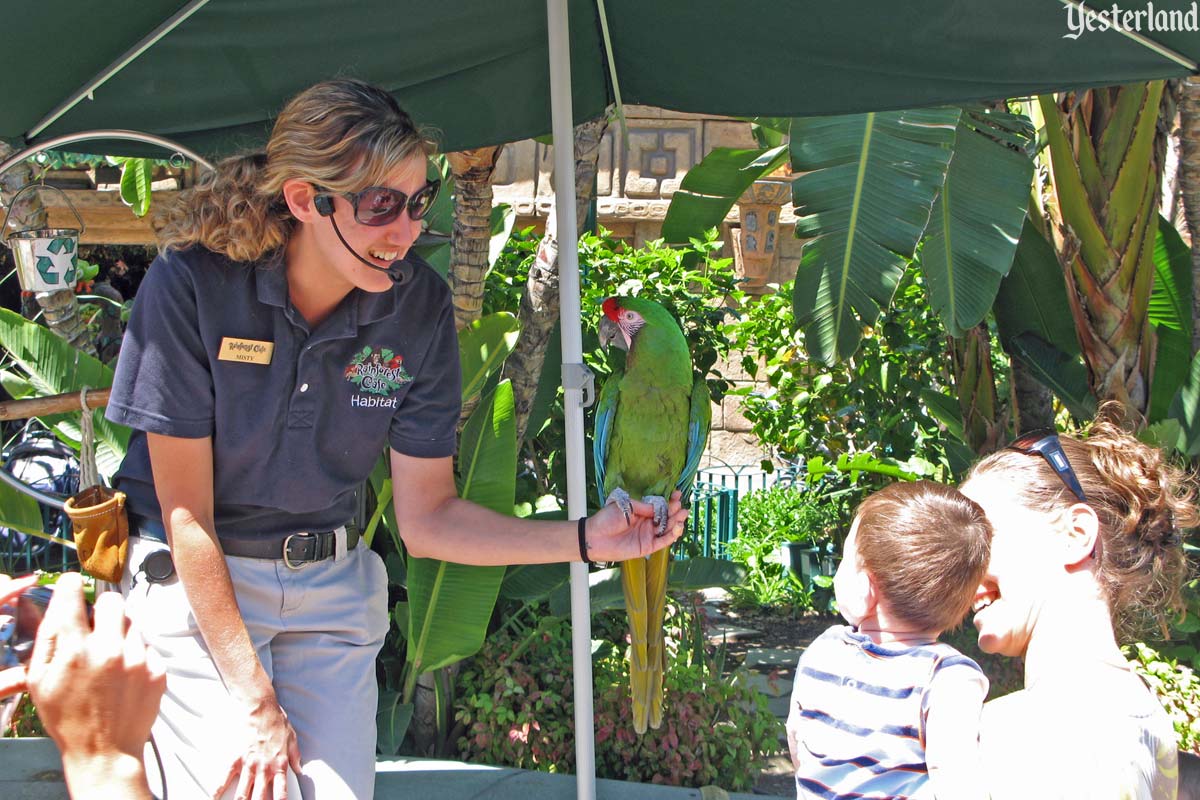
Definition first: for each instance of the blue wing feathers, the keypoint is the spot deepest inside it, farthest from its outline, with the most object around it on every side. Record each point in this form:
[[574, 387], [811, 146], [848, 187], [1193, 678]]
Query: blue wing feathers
[[699, 422], [606, 410]]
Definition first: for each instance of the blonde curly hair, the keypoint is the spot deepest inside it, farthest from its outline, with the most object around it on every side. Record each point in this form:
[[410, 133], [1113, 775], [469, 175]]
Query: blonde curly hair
[[342, 135]]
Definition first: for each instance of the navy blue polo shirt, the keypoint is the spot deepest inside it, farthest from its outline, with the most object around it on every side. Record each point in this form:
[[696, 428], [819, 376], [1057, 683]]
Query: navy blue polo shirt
[[297, 417]]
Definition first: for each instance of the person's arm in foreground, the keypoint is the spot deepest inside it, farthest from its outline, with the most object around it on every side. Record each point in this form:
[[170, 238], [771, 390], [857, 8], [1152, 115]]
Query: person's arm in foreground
[[97, 692], [952, 734], [183, 470], [435, 523]]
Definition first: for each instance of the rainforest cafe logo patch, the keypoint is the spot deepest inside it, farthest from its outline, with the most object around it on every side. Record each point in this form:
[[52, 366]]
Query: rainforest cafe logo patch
[[377, 371]]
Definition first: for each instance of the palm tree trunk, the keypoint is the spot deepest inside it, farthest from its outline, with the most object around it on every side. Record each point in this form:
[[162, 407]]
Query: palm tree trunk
[[1189, 186], [60, 309], [539, 305], [1106, 157], [472, 170]]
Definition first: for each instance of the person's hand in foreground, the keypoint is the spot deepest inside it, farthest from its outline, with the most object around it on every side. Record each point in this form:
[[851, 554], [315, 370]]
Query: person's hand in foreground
[[97, 691]]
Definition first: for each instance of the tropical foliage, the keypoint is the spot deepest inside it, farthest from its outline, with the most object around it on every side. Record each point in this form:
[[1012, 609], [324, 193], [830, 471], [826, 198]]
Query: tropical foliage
[[517, 709]]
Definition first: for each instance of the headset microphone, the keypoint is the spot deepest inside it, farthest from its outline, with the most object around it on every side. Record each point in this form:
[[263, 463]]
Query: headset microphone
[[399, 271]]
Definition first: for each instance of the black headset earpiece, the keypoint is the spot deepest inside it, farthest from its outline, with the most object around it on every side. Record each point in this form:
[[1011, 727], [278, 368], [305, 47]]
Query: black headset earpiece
[[324, 205]]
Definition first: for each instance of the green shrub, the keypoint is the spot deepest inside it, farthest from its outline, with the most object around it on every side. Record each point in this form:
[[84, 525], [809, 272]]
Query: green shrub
[[518, 710], [790, 514], [766, 520], [1177, 688], [868, 402]]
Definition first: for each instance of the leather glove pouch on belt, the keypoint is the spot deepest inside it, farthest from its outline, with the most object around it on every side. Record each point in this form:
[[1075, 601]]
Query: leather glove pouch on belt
[[101, 530]]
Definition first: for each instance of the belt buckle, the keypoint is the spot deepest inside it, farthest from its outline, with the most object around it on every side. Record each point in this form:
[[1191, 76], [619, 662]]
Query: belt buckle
[[287, 559]]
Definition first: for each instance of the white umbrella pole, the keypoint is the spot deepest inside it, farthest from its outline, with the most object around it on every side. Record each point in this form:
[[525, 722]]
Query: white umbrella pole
[[572, 353]]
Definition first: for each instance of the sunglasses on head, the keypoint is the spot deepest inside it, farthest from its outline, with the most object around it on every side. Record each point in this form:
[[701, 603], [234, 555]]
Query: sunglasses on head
[[1044, 442], [379, 205]]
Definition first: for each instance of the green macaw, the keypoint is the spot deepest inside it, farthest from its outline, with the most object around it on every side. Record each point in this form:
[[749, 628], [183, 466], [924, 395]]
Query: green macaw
[[652, 425]]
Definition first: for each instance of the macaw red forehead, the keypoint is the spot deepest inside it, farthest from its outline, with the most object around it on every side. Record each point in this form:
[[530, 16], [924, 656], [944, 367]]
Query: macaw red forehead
[[611, 308]]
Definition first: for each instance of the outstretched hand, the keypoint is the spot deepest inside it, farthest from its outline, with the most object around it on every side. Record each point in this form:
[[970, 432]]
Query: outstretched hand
[[611, 538]]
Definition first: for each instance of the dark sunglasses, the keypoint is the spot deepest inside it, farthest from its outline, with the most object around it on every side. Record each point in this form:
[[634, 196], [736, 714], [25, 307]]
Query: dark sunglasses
[[379, 205], [1045, 443]]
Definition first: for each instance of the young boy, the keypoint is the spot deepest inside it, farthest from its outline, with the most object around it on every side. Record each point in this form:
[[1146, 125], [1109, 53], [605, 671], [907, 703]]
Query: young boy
[[880, 708]]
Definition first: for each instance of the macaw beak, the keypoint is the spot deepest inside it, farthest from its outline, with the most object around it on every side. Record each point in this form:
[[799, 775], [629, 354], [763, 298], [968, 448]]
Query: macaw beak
[[611, 333]]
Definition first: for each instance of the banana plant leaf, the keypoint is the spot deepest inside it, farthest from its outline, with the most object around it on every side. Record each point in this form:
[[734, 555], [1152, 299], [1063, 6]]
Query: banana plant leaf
[[977, 218], [1166, 435], [502, 219], [384, 512], [19, 511], [945, 409], [1033, 297], [391, 722], [769, 131], [1170, 311], [136, 179], [1061, 373], [54, 367], [450, 605], [1186, 409], [871, 184], [549, 383], [710, 189], [533, 583], [482, 347], [440, 218]]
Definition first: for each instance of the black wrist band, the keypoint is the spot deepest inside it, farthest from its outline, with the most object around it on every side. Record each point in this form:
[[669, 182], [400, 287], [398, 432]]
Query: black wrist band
[[583, 542]]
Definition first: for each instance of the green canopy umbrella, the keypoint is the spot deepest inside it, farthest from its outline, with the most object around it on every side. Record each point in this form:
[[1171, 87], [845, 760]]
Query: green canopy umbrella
[[211, 74]]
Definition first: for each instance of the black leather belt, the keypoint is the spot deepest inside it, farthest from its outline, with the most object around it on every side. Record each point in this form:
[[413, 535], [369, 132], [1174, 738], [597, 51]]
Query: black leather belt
[[293, 549]]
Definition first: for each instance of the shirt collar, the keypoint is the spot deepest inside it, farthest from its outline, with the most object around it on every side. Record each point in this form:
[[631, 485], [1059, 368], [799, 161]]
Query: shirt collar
[[271, 286]]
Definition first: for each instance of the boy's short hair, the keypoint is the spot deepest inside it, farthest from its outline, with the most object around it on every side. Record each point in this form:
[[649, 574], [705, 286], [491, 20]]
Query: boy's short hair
[[926, 546]]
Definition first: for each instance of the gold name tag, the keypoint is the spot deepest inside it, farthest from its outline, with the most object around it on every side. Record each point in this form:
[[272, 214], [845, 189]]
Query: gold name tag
[[249, 351]]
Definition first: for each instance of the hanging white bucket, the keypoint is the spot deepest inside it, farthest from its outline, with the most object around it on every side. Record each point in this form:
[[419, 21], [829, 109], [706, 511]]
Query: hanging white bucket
[[46, 257]]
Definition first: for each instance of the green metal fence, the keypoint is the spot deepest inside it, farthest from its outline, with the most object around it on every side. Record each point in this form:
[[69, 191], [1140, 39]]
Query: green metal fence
[[712, 523], [21, 554]]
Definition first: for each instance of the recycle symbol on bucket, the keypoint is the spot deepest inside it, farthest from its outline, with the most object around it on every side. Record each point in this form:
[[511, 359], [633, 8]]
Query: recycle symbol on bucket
[[56, 260]]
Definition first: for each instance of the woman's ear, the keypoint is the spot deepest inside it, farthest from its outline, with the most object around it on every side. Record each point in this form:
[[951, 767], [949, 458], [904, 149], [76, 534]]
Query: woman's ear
[[1083, 535], [299, 196]]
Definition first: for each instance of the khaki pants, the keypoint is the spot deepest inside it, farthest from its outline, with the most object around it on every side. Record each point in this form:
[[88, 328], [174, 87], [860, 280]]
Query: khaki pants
[[316, 630]]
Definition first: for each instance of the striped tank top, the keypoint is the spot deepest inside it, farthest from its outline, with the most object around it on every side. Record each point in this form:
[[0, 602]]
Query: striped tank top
[[858, 710]]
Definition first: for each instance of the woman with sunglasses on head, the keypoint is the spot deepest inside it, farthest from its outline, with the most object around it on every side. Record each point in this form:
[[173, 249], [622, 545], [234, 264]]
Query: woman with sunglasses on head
[[1086, 551], [284, 337]]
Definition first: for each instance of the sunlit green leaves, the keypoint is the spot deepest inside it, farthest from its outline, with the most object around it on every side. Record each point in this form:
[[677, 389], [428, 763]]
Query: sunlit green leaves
[[865, 202], [976, 222]]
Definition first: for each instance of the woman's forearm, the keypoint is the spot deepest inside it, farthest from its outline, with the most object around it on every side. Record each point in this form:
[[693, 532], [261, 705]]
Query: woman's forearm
[[201, 567], [461, 531], [183, 478]]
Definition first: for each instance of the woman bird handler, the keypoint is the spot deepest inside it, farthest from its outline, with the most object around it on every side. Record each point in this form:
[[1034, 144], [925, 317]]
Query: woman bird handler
[[284, 336]]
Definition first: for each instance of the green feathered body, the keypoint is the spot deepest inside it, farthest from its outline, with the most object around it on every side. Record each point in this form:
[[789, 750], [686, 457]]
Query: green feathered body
[[649, 440], [652, 424]]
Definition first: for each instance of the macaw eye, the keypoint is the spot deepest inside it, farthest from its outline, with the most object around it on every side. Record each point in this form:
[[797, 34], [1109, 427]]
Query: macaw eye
[[629, 315]]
